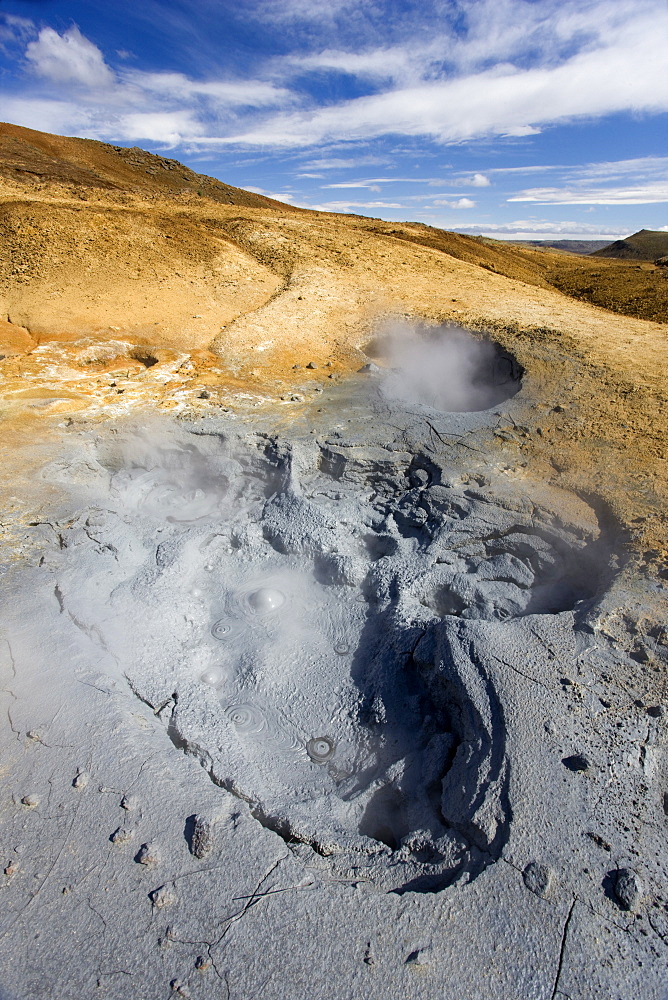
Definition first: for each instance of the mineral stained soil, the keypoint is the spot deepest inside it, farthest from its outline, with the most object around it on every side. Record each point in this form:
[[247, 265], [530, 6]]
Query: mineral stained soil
[[342, 706]]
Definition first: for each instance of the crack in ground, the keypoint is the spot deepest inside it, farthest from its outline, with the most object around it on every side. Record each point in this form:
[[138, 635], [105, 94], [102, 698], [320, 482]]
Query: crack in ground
[[562, 948], [527, 677], [252, 900]]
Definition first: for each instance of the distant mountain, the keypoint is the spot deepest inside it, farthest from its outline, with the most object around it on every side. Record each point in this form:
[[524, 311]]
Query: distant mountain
[[647, 244], [571, 246]]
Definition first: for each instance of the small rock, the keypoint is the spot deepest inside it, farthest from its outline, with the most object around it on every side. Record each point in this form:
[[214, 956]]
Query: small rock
[[164, 896], [628, 889], [129, 802], [34, 734], [204, 394], [368, 369], [11, 868], [148, 854], [122, 835], [81, 780], [201, 841], [656, 711], [311, 365], [30, 800], [202, 963], [538, 879], [577, 762]]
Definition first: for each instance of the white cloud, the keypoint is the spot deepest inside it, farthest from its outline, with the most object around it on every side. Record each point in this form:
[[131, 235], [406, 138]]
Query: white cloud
[[158, 126], [343, 163], [641, 194], [459, 203], [344, 206], [476, 180], [177, 86], [642, 166], [46, 115], [68, 58], [372, 183], [404, 64]]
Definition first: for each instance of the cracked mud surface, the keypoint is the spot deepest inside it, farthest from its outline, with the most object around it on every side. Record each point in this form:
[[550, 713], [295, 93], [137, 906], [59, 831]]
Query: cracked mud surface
[[355, 691]]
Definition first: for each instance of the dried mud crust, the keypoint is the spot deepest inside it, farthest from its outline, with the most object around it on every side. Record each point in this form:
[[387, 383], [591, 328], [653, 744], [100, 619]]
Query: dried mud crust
[[313, 623]]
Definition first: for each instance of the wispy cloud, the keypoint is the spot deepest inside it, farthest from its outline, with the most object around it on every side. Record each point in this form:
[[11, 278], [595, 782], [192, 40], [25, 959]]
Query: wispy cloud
[[644, 182], [345, 206], [344, 162], [641, 194], [15, 31]]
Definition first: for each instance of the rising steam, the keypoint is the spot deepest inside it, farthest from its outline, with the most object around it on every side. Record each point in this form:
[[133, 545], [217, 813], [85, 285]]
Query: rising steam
[[445, 368]]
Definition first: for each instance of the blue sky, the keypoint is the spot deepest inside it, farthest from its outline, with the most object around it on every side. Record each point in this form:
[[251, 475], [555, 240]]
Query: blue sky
[[530, 119]]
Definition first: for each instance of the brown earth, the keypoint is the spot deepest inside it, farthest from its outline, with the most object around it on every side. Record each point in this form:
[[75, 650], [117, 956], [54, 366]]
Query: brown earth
[[123, 290]]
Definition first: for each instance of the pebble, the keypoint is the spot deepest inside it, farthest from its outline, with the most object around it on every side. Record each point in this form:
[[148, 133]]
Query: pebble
[[81, 780], [628, 889], [34, 734], [163, 896], [148, 854], [538, 879], [201, 842], [129, 802], [311, 365], [30, 800], [122, 835]]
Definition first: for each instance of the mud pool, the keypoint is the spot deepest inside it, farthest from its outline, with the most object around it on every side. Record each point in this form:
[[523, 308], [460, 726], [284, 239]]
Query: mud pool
[[343, 701]]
